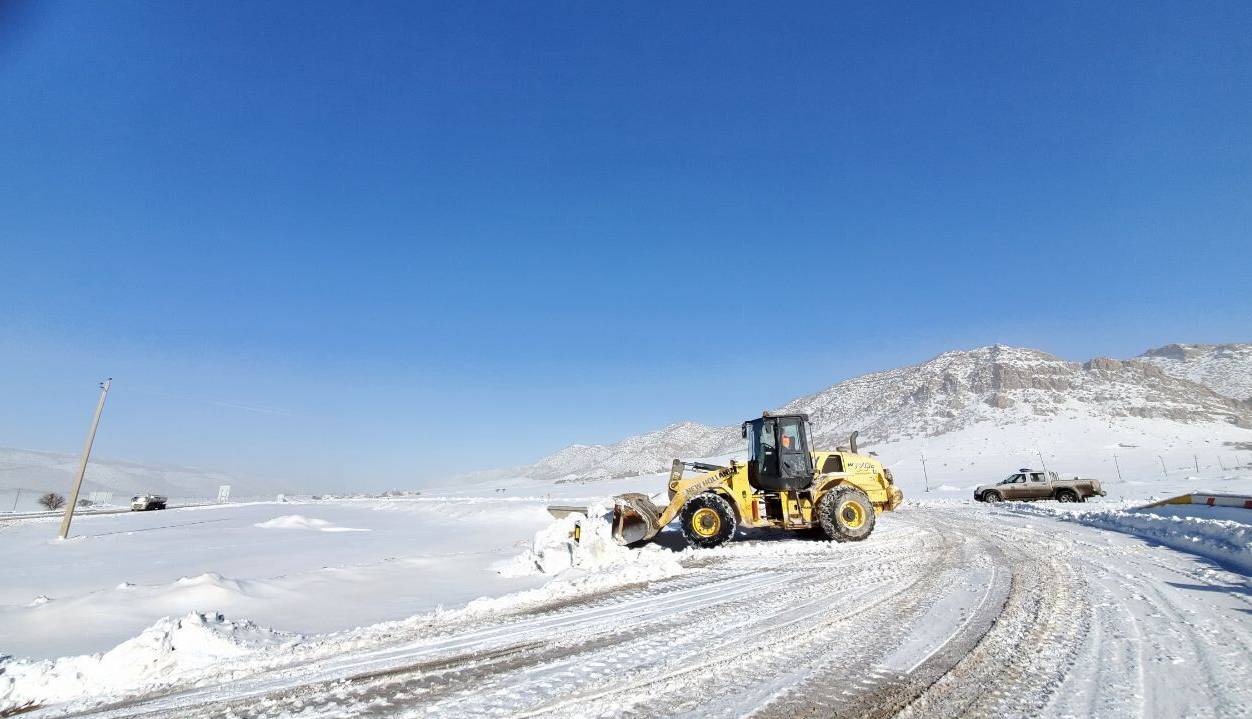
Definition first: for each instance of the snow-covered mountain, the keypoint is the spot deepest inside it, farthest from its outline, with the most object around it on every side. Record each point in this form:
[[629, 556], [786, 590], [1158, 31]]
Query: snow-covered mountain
[[1225, 369], [1006, 385], [989, 387], [32, 471], [640, 454]]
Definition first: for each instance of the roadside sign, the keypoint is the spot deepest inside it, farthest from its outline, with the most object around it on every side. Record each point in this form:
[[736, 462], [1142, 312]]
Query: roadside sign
[[223, 493]]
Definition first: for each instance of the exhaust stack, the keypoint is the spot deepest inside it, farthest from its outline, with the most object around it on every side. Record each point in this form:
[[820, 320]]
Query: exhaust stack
[[852, 442]]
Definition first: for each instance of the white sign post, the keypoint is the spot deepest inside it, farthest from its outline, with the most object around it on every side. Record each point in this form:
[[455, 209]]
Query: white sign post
[[223, 493]]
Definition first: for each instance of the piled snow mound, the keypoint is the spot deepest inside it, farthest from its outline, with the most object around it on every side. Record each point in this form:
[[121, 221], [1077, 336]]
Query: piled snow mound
[[1183, 528], [554, 550], [296, 521], [209, 580], [172, 648], [647, 567]]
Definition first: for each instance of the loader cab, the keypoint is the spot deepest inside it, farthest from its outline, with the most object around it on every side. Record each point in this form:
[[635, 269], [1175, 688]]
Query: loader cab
[[778, 452]]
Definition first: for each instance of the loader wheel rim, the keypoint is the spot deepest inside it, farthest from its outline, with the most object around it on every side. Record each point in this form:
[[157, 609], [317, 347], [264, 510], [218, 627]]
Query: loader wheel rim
[[852, 514], [706, 522]]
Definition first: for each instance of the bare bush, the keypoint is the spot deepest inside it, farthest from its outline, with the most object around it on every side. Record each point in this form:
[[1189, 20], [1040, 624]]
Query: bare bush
[[52, 500]]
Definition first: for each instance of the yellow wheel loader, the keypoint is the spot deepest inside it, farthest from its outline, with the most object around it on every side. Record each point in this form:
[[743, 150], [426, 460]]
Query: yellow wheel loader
[[784, 485]]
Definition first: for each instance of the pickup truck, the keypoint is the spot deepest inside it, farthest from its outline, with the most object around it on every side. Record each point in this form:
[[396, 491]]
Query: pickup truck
[[1029, 484], [145, 502]]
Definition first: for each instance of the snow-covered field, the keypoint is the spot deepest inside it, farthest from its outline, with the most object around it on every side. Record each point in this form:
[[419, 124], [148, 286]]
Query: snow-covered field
[[303, 567], [472, 603]]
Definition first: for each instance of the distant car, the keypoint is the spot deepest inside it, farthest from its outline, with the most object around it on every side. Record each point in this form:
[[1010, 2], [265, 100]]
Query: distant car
[[1028, 484], [145, 502]]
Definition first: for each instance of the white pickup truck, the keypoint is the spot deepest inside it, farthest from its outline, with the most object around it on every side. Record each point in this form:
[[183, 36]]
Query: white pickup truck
[[145, 502]]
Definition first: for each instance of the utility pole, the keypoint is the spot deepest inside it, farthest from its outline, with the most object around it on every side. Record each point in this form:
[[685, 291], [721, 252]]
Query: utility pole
[[82, 464], [1220, 463], [1196, 458], [1119, 467], [925, 474], [1041, 461], [16, 497], [1163, 470]]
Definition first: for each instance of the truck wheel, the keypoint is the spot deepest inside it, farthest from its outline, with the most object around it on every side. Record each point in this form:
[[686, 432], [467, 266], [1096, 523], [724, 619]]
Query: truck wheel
[[1066, 495], [708, 520], [992, 496], [846, 514]]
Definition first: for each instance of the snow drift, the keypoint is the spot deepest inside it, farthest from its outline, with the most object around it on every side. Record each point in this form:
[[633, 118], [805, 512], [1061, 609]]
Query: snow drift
[[172, 647], [1195, 529], [297, 521]]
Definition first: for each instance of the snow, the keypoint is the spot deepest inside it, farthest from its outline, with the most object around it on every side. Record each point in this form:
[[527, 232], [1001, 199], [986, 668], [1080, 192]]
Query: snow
[[553, 550], [222, 594], [933, 578], [172, 647], [1226, 369], [118, 574], [1223, 534], [178, 649], [296, 521], [957, 462]]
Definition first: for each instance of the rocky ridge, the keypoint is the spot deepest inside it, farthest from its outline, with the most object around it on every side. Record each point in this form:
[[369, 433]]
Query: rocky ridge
[[955, 390], [1225, 369]]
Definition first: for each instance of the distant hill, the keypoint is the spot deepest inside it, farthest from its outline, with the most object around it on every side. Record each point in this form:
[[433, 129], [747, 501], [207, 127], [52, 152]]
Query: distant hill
[[49, 471], [990, 387]]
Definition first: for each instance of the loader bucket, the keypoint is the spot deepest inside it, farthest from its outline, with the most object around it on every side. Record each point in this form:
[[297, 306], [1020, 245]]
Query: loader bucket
[[635, 518], [564, 510]]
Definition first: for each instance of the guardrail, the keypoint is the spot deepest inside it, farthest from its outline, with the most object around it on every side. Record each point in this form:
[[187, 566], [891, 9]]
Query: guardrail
[[1211, 499]]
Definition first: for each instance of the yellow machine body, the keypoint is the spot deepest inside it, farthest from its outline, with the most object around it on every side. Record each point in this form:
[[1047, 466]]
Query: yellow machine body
[[637, 519], [794, 510]]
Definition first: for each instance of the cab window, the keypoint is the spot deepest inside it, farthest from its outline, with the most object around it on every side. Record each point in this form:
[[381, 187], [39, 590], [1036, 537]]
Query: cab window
[[833, 463], [789, 434], [768, 443]]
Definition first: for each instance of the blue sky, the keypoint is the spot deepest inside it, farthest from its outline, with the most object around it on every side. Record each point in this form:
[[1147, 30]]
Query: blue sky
[[371, 244]]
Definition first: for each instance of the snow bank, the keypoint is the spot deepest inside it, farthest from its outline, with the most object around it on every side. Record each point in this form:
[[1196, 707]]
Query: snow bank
[[1182, 527], [554, 551], [172, 648], [296, 521]]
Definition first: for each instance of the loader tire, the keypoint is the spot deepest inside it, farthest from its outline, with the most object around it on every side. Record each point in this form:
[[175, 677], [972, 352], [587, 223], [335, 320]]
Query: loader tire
[[708, 520], [846, 514]]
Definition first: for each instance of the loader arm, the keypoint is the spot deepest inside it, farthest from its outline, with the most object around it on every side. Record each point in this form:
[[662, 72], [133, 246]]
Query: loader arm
[[636, 518]]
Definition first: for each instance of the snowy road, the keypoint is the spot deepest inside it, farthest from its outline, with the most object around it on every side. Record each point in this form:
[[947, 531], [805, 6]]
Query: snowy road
[[946, 611]]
